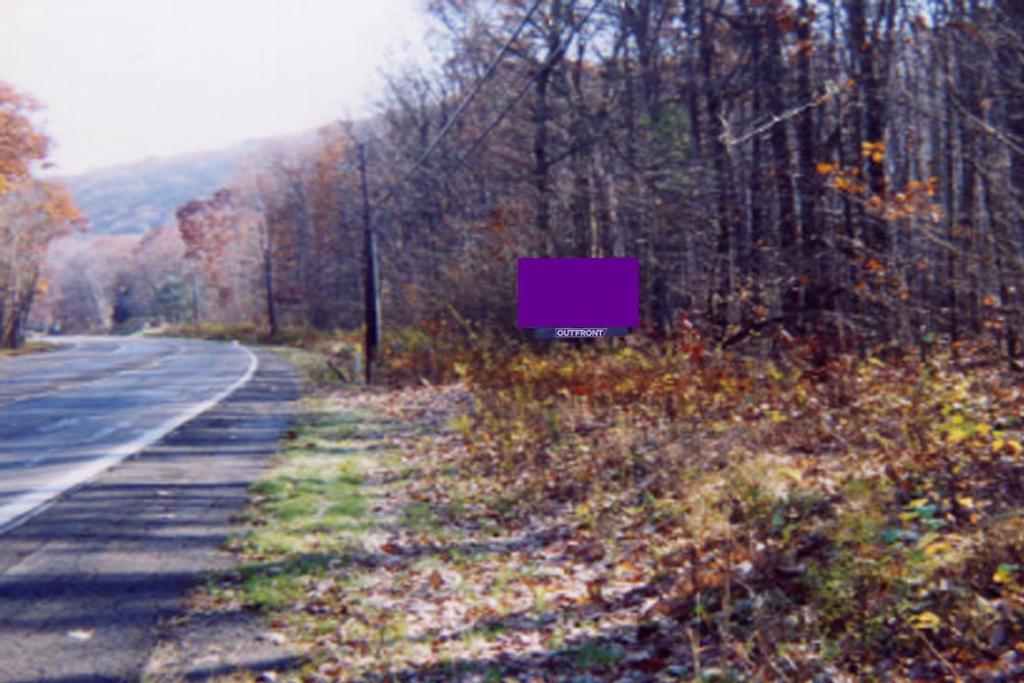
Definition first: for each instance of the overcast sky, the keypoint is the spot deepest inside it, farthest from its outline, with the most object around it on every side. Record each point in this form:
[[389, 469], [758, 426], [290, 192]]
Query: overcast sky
[[122, 80]]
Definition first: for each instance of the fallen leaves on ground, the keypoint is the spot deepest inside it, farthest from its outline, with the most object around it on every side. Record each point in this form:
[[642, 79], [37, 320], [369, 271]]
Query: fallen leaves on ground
[[688, 519]]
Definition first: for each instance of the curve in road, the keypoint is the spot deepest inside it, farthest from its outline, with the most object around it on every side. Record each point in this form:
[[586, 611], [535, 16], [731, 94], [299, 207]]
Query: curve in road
[[67, 415]]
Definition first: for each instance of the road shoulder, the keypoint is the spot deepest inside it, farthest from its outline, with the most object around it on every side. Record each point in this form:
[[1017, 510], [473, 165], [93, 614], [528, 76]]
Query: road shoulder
[[85, 583]]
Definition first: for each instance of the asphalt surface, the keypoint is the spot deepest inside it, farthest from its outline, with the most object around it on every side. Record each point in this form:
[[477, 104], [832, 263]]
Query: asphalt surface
[[85, 581], [67, 415]]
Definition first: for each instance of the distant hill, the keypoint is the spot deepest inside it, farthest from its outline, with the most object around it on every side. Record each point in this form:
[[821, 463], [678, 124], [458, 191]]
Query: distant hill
[[129, 199]]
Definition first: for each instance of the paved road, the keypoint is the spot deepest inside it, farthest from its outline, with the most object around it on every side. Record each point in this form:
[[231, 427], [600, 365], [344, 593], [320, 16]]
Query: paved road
[[85, 582], [65, 416]]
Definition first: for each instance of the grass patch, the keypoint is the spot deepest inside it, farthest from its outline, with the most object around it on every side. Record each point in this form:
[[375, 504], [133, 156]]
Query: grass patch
[[313, 498], [315, 367], [308, 513], [325, 359], [29, 348], [596, 654]]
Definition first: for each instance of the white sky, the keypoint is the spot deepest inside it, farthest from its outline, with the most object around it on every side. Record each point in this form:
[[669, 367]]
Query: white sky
[[122, 80]]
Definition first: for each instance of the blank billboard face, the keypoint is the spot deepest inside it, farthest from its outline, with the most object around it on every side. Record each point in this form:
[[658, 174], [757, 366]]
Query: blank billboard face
[[592, 292]]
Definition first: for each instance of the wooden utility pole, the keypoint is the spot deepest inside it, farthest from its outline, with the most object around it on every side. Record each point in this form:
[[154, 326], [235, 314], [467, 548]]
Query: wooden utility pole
[[370, 288]]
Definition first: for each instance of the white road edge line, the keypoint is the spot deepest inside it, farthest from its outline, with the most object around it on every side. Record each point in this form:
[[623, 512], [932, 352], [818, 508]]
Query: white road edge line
[[28, 505], [86, 383]]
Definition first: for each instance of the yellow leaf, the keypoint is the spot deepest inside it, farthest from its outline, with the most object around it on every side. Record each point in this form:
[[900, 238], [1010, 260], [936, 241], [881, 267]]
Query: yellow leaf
[[1014, 446], [956, 435], [791, 473], [965, 502], [1003, 574], [997, 444], [938, 547], [983, 429], [925, 620], [918, 502]]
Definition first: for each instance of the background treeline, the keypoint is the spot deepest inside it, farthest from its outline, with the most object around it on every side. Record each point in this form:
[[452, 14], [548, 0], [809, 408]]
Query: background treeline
[[851, 171], [34, 212]]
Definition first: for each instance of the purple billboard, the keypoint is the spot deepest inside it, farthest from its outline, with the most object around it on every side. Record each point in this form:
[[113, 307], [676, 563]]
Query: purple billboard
[[579, 292]]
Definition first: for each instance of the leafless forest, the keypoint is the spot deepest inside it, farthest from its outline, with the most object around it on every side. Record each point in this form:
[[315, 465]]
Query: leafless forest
[[851, 170]]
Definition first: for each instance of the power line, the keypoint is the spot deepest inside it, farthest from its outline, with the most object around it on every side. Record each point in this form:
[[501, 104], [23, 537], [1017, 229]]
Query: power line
[[488, 72], [520, 93], [372, 308], [371, 289], [555, 54]]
